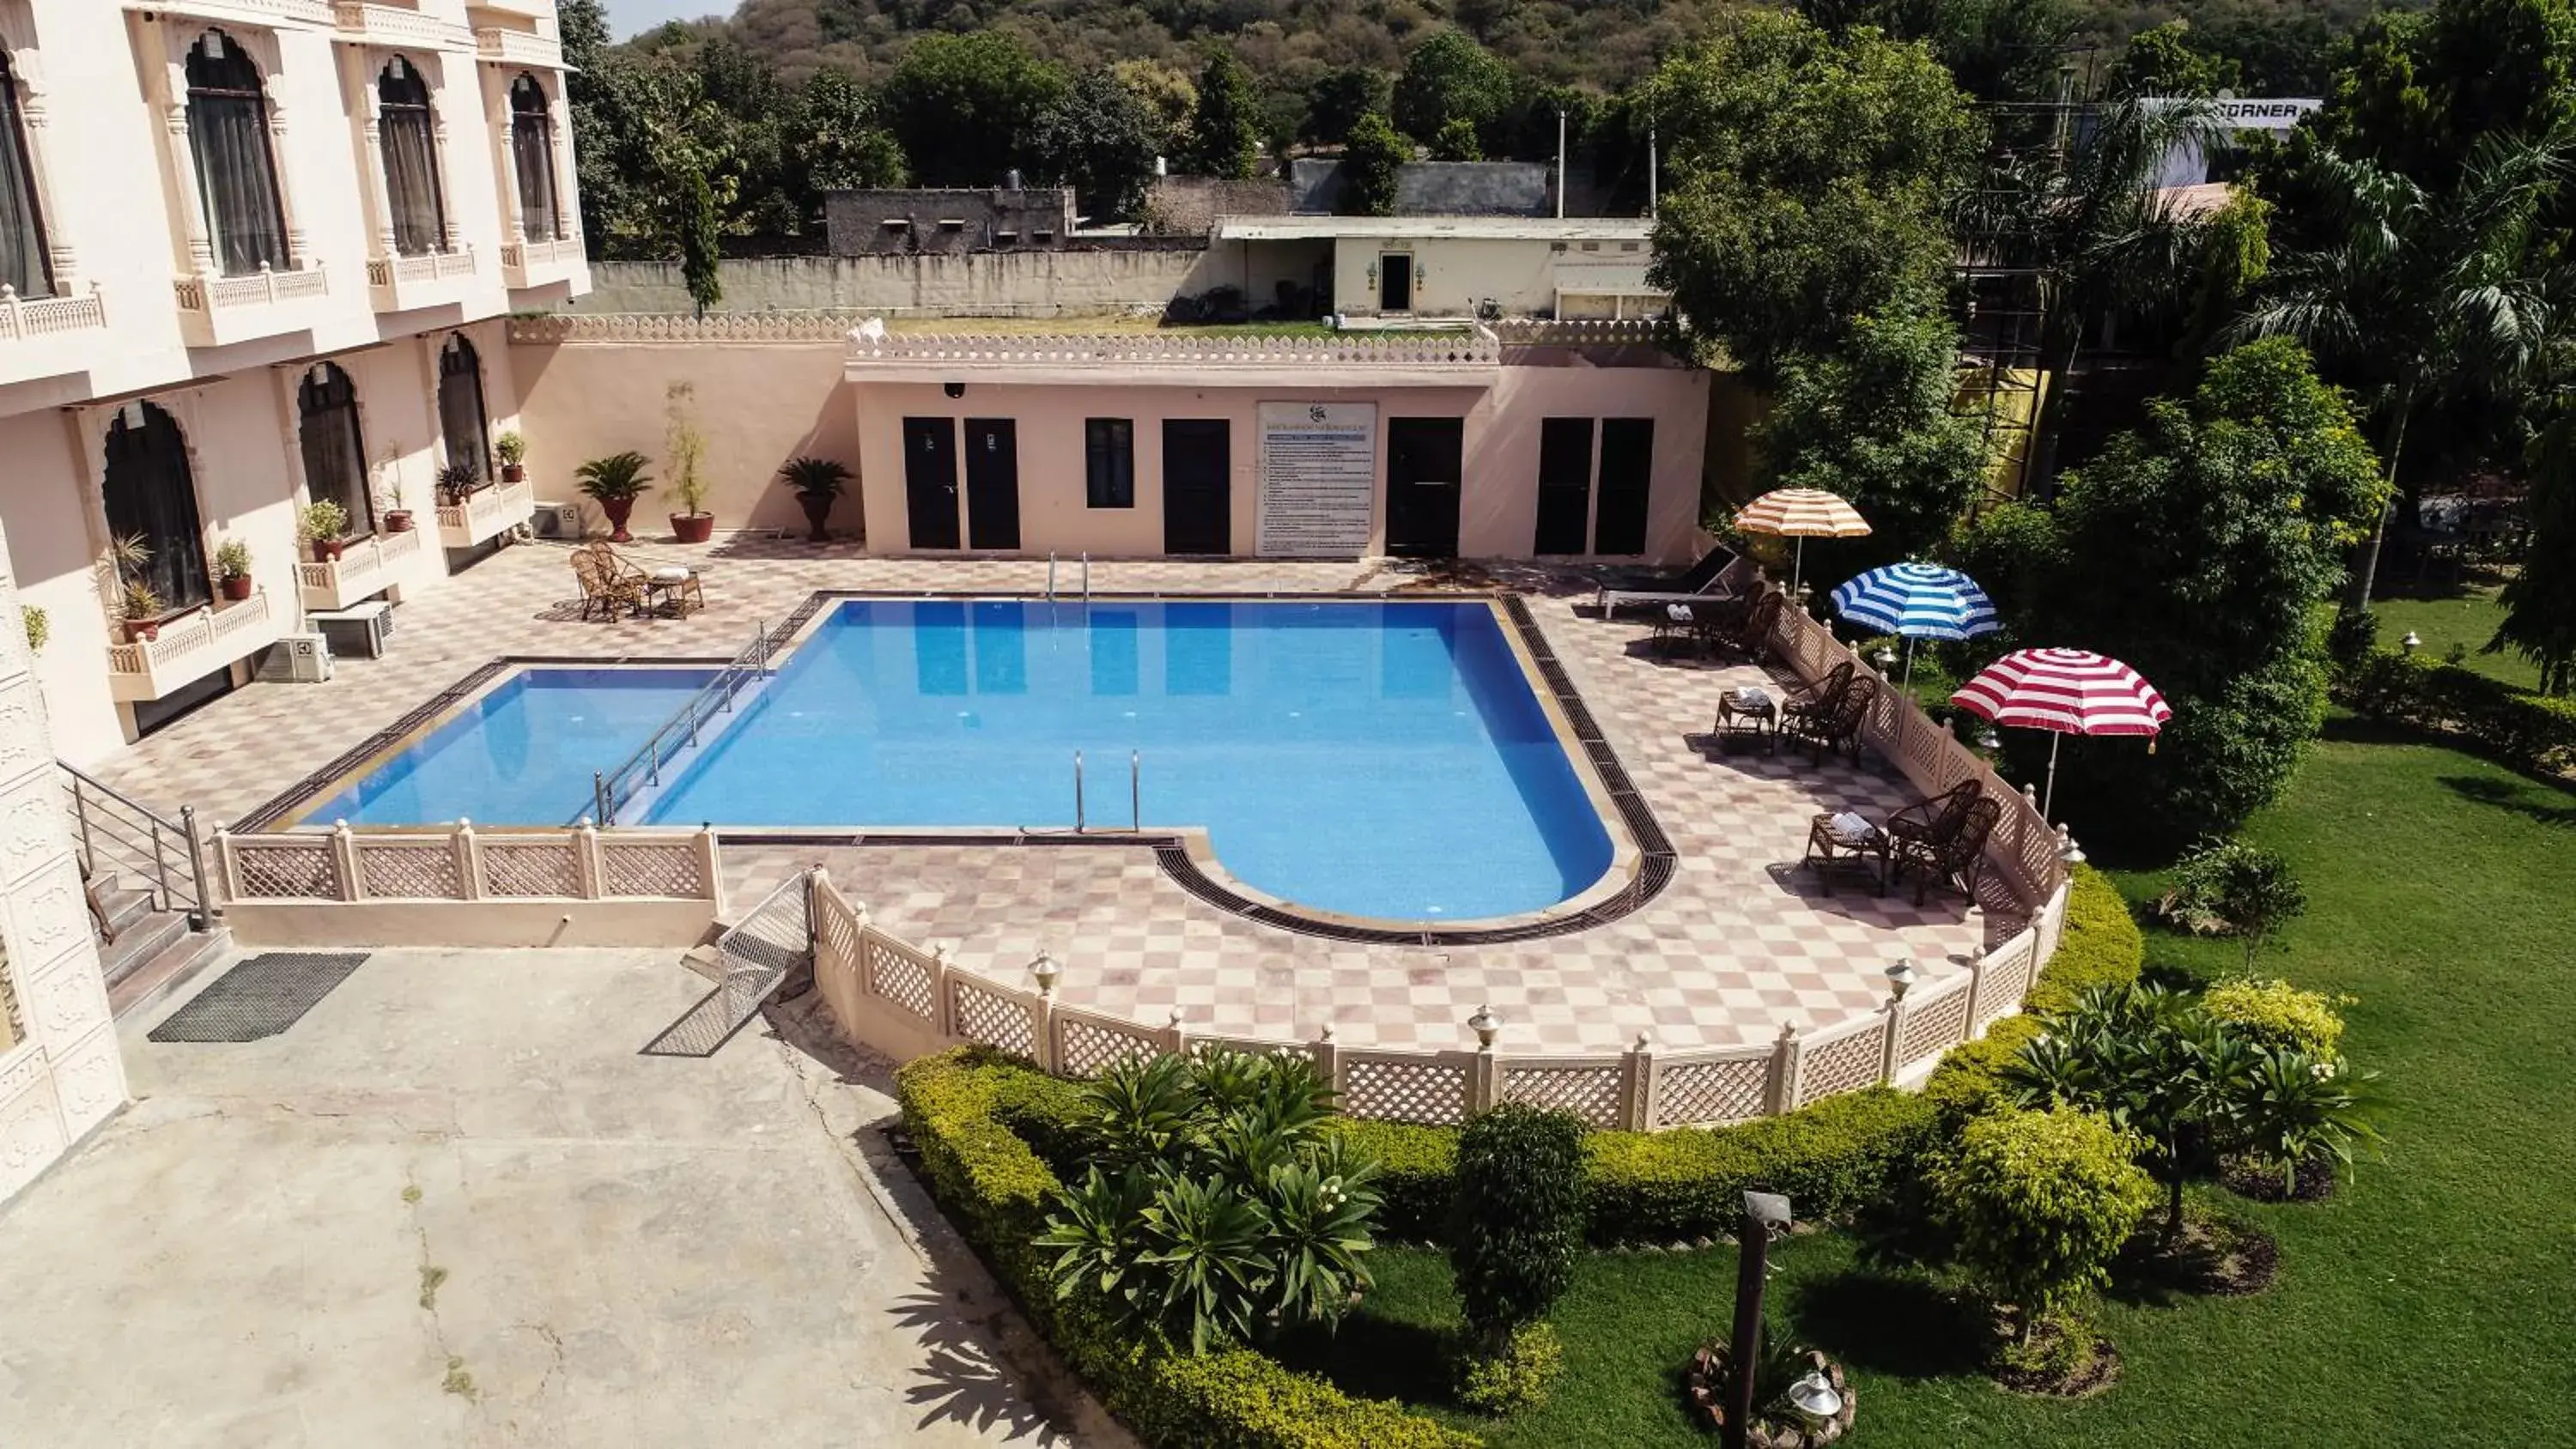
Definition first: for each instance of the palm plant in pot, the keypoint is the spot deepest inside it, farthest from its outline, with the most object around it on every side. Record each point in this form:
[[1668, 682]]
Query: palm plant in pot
[[816, 483], [514, 457], [387, 493], [232, 568], [688, 449], [614, 483], [138, 605], [456, 483], [322, 526]]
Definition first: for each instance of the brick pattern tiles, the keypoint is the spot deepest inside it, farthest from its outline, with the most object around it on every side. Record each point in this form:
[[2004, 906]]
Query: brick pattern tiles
[[1742, 941]]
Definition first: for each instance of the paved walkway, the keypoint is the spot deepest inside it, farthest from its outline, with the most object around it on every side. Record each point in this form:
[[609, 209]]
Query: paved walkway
[[1741, 941], [452, 1206]]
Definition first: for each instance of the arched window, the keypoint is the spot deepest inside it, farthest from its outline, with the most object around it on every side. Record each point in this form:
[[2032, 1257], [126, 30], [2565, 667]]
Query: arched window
[[23, 263], [460, 408], [532, 146], [150, 495], [335, 456], [236, 172], [410, 143]]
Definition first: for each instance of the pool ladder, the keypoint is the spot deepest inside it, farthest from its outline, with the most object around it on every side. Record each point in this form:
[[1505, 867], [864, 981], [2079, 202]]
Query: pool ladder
[[1135, 793], [1086, 576]]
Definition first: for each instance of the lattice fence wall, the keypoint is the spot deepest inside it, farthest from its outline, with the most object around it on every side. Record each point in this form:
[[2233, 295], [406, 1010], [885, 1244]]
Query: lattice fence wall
[[1934, 1025], [458, 864], [980, 1013], [520, 869], [1404, 1088], [1843, 1064], [1593, 1091], [299, 869], [1086, 1045], [1691, 1092], [411, 870]]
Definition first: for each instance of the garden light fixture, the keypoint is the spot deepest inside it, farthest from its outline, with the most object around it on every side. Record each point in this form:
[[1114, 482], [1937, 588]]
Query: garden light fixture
[[1046, 971], [1484, 1024], [1814, 1396], [1901, 977], [2411, 642], [1884, 661]]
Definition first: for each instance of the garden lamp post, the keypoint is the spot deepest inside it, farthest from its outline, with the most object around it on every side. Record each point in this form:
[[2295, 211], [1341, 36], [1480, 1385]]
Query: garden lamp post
[[1814, 1396], [1901, 978], [1764, 1212], [1484, 1024], [2411, 642], [1046, 971]]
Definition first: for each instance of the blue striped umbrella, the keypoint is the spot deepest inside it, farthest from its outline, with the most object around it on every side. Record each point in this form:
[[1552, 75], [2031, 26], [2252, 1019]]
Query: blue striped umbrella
[[1917, 601]]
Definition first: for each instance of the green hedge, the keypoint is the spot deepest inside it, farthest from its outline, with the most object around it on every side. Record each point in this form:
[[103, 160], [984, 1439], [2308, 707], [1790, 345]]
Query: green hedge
[[1829, 1158], [2527, 731], [2102, 946], [957, 1107]]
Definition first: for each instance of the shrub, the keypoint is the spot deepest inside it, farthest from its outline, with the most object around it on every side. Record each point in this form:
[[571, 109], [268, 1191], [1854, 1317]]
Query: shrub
[[995, 1188], [2527, 731], [1415, 1167], [1519, 1215], [2039, 1202], [2230, 888], [1684, 1185], [39, 627], [1215, 1205], [2350, 642], [2292, 1108], [2277, 1015], [2102, 945], [1515, 1380]]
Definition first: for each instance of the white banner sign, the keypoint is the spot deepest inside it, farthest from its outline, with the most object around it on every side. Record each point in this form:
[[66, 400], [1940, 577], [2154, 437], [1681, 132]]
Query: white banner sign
[[1318, 479]]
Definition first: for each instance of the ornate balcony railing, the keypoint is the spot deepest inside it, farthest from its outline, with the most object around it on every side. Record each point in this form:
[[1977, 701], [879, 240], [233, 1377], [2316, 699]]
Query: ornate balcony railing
[[22, 318], [364, 24], [518, 47], [485, 513], [296, 13], [214, 311], [191, 648], [363, 568]]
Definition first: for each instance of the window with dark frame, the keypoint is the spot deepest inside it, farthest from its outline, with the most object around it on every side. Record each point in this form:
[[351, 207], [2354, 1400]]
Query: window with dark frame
[[408, 136], [236, 172], [532, 153], [23, 262], [1109, 449]]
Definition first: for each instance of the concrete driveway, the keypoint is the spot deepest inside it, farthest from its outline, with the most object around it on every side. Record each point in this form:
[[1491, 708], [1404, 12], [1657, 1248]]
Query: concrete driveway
[[453, 1206]]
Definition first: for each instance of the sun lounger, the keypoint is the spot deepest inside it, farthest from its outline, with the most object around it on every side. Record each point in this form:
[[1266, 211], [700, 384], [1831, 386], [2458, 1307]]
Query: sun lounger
[[1704, 582]]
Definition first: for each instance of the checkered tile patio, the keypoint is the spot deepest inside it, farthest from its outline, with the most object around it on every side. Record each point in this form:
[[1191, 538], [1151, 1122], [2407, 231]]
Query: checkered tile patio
[[1742, 941]]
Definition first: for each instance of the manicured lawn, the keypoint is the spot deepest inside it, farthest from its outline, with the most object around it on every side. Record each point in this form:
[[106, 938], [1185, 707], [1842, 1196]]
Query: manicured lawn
[[2468, 620], [2432, 1303]]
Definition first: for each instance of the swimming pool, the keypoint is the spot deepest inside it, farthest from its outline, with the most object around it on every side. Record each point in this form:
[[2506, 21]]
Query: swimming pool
[[521, 754]]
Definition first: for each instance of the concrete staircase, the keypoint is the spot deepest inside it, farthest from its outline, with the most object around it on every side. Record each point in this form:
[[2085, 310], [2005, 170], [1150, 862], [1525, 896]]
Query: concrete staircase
[[154, 952]]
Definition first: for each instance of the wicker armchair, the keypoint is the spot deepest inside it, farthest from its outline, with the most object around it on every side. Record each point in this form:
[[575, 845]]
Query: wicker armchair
[[1830, 725], [607, 581], [1750, 634], [1937, 818], [1822, 697], [1958, 859]]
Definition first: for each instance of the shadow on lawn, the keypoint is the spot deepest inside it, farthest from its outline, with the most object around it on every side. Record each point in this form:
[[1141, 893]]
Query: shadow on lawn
[[1902, 1326], [2547, 804], [1374, 1358]]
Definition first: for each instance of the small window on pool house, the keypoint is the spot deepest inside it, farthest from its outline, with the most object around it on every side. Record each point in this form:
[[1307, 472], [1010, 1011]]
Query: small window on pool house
[[1109, 448]]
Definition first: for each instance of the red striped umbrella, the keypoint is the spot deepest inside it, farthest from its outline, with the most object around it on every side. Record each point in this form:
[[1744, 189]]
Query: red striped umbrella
[[2066, 692], [1802, 514]]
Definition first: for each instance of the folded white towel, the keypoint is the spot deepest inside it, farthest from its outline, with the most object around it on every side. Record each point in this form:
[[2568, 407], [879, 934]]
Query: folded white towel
[[1678, 613], [1753, 696], [674, 575], [1846, 823]]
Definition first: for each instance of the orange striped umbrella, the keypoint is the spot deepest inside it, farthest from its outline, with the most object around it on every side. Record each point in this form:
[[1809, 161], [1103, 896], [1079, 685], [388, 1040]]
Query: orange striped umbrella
[[1802, 514]]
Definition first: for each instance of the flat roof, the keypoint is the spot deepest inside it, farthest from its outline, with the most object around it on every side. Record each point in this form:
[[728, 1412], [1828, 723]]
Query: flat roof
[[1495, 228]]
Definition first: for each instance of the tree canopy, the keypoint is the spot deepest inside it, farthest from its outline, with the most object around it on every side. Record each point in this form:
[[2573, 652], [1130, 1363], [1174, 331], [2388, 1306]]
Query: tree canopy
[[963, 106], [1101, 139]]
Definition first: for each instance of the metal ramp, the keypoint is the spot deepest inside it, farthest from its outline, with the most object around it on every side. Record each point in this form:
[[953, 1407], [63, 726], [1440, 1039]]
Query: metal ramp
[[770, 949]]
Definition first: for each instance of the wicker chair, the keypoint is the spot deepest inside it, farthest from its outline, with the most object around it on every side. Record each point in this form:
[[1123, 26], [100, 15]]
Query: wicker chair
[[1958, 859], [607, 581], [1822, 697], [1751, 634], [1830, 725], [1937, 818]]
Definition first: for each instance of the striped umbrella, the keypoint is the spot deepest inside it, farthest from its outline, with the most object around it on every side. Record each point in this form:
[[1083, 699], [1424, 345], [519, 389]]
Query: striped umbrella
[[1917, 601], [2065, 692], [1802, 514]]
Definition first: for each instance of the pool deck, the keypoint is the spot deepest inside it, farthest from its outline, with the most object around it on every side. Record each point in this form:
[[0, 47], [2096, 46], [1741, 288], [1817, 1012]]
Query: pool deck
[[1739, 943]]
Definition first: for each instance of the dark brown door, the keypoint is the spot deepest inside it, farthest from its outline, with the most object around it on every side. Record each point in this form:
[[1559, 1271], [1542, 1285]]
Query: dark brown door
[[930, 480], [1424, 467], [1197, 486], [1564, 485], [1627, 468], [992, 483]]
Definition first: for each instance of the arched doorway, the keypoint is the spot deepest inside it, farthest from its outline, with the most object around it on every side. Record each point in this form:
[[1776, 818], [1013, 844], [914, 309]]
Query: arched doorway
[[461, 420], [335, 454], [228, 133], [532, 153], [150, 494]]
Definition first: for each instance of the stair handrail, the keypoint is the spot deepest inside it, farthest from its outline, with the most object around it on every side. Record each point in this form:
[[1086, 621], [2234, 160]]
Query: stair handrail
[[201, 902]]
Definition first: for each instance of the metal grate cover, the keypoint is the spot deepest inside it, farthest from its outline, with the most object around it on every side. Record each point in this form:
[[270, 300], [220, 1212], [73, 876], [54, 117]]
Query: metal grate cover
[[260, 997]]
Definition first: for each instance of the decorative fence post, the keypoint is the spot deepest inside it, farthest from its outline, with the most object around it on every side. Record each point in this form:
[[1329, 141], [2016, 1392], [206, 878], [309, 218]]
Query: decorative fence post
[[1784, 1070], [1042, 1015], [227, 869], [589, 869], [344, 860], [1328, 1061], [1888, 1049], [1175, 1040], [469, 861], [1481, 1074], [1976, 993], [943, 1012], [711, 864], [1637, 1100]]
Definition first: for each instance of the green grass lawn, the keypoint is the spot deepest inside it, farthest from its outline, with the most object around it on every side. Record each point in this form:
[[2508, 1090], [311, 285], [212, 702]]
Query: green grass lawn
[[2468, 620], [2431, 1303]]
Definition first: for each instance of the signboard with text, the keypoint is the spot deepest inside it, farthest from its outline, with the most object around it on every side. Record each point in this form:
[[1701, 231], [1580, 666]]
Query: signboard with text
[[1318, 479]]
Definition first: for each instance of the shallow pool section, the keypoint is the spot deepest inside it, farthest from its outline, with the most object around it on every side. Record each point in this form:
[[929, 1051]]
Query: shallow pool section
[[1383, 759], [520, 754]]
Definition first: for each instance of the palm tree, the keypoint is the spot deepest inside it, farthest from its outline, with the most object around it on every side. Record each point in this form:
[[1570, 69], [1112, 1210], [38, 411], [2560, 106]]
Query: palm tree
[[2095, 231], [2430, 294]]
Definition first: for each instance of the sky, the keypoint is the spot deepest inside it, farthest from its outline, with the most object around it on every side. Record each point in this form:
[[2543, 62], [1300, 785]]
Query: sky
[[627, 17]]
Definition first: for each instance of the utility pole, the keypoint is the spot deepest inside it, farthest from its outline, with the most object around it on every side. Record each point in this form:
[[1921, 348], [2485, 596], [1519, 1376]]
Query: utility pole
[[1763, 1211], [1651, 170], [1560, 163]]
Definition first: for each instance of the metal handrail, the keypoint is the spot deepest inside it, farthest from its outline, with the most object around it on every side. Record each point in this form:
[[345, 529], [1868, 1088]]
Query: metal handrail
[[149, 839], [610, 790]]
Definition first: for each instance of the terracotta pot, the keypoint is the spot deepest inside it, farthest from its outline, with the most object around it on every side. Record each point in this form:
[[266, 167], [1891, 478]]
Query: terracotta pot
[[237, 589], [514, 472], [142, 631], [618, 511], [693, 527], [818, 511], [327, 549], [397, 520]]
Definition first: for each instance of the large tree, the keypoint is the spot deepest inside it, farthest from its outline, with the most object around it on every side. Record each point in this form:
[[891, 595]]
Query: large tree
[[963, 105], [2424, 294], [2198, 548], [1335, 103], [1811, 179], [1449, 77], [839, 140], [1100, 139], [2540, 601], [1225, 133], [2423, 88]]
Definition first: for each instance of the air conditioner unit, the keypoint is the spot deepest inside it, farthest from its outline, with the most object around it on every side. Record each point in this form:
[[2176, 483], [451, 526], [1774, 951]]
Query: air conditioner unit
[[557, 520], [297, 659]]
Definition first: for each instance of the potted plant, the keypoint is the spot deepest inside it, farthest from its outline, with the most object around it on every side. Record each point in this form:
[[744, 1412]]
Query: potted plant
[[321, 526], [232, 568], [456, 483], [816, 482], [39, 627], [614, 483], [688, 449], [514, 456], [141, 608], [386, 489]]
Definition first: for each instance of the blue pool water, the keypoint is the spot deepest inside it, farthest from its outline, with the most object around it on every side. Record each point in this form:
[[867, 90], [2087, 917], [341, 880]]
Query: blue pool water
[[521, 754], [1377, 759]]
